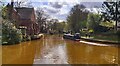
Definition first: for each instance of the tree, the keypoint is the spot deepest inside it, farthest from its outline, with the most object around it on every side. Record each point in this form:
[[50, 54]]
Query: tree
[[77, 18], [61, 27], [111, 11], [42, 19], [54, 24], [93, 22]]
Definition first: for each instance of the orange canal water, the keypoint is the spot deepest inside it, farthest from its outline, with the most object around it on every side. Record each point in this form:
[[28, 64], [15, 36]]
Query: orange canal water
[[55, 50]]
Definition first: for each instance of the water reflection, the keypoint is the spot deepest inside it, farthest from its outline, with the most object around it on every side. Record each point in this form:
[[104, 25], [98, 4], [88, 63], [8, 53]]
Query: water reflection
[[18, 54], [89, 54], [54, 50]]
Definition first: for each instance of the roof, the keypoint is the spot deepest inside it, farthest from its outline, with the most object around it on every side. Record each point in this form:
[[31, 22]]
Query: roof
[[25, 13]]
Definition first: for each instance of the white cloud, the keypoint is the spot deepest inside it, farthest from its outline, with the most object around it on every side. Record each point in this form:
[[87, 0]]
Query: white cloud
[[70, 1], [60, 8]]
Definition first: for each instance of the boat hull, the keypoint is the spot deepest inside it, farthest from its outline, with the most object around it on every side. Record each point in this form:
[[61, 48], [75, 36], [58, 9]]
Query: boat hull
[[71, 37]]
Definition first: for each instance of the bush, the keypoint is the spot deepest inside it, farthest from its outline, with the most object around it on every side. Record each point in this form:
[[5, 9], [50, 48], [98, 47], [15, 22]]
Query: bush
[[118, 34], [10, 34], [26, 38]]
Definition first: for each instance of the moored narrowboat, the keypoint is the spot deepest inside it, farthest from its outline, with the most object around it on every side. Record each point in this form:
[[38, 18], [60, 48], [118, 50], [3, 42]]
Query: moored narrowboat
[[75, 37]]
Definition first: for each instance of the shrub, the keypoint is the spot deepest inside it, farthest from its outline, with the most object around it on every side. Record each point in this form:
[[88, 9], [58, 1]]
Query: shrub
[[118, 34], [10, 34]]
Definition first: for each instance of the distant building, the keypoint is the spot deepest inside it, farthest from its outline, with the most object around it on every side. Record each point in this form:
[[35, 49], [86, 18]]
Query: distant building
[[24, 18]]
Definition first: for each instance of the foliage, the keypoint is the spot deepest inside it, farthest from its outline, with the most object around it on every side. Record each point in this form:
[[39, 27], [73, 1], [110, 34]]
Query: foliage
[[107, 24], [10, 34], [111, 11], [94, 23], [54, 24], [4, 12], [60, 27], [56, 27], [77, 18], [118, 34]]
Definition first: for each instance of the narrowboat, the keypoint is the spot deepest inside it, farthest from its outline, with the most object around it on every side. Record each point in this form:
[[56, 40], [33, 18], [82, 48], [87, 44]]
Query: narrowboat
[[75, 37]]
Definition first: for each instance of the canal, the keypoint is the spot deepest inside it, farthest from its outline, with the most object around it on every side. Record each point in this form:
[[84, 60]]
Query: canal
[[55, 50]]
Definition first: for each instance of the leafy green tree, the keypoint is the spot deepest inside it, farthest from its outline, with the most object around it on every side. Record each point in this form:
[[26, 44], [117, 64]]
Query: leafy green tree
[[77, 18], [54, 26], [60, 27], [94, 23]]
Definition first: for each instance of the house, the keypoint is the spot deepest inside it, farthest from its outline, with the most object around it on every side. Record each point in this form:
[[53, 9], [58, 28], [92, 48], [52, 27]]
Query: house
[[24, 18]]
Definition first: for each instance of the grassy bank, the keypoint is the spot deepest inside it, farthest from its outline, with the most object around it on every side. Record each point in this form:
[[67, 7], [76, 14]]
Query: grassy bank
[[112, 38], [105, 36]]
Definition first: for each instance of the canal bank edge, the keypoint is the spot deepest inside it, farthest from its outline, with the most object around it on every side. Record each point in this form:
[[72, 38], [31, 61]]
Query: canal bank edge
[[100, 41], [36, 37]]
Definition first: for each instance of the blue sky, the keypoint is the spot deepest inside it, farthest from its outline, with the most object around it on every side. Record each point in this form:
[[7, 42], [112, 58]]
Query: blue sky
[[59, 9]]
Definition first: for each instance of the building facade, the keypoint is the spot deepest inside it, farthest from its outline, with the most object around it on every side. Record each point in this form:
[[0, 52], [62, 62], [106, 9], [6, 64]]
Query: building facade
[[24, 18]]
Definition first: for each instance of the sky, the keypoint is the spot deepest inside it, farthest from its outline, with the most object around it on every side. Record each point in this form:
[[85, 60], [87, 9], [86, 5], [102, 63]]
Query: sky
[[59, 9]]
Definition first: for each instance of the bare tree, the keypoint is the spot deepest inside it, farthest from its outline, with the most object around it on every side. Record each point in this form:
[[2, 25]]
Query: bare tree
[[42, 19]]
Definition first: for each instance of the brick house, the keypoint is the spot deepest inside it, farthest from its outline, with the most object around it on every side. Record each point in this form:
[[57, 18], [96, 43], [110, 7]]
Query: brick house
[[24, 18]]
